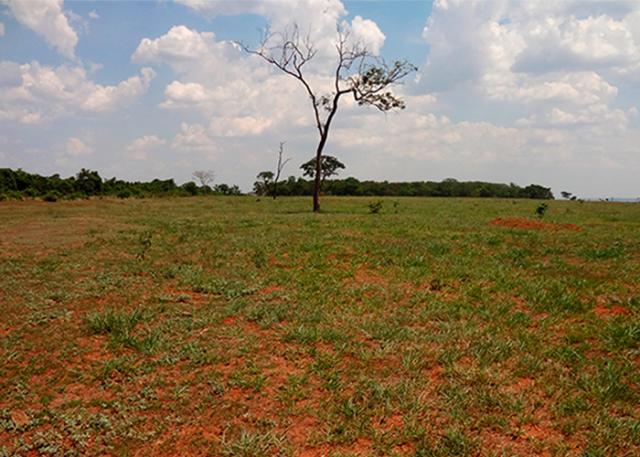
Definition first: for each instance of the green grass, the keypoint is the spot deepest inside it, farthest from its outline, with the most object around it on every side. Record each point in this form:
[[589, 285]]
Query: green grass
[[231, 326]]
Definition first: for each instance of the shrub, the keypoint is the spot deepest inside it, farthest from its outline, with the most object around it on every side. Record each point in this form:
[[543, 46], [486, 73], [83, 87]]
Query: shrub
[[50, 197], [375, 207], [76, 196], [541, 209], [30, 192]]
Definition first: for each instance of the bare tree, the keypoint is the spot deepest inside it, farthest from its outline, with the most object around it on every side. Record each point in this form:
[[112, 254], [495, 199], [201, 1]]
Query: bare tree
[[204, 176], [357, 72], [279, 168]]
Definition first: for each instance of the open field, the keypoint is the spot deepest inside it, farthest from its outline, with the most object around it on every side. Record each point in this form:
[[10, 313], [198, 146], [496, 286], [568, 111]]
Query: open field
[[236, 327]]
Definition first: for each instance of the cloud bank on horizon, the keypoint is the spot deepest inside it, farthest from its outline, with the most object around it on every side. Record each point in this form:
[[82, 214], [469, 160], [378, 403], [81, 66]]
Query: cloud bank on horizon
[[544, 92]]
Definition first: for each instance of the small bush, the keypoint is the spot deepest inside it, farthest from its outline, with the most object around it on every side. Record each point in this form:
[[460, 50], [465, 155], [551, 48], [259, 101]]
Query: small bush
[[541, 210], [375, 207], [50, 197], [11, 195], [30, 192]]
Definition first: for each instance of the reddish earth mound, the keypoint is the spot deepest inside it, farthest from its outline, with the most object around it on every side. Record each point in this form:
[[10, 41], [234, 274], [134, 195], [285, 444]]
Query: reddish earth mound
[[530, 224]]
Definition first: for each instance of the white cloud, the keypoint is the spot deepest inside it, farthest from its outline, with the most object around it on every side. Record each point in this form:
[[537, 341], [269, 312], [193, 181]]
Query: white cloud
[[31, 93], [240, 126], [184, 95], [195, 54], [316, 18], [367, 32], [496, 39], [193, 137], [76, 147], [139, 147], [103, 98], [568, 43], [240, 92], [179, 44], [93, 15], [46, 18], [558, 60]]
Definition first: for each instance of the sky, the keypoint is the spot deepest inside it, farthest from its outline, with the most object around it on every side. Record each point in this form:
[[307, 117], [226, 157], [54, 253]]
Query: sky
[[543, 92]]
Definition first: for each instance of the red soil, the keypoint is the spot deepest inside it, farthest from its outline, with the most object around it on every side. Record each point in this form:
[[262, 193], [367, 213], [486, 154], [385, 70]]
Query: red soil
[[615, 310], [530, 224]]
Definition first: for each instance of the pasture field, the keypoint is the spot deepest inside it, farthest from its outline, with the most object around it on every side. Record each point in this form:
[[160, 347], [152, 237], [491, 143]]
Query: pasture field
[[236, 327]]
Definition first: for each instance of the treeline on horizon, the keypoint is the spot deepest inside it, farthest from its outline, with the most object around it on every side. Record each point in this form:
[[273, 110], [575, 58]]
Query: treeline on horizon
[[448, 188], [18, 184]]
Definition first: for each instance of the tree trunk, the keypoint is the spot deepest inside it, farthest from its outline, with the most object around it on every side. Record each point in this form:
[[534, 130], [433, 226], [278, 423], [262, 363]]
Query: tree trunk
[[323, 140], [316, 185], [317, 181]]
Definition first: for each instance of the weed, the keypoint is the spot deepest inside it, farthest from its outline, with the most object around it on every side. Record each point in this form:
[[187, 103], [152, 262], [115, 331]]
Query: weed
[[259, 257], [252, 444], [119, 326], [621, 334], [144, 242]]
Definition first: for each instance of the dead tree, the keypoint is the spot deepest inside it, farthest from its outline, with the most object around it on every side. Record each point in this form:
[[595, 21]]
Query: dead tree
[[356, 72], [205, 177], [279, 168]]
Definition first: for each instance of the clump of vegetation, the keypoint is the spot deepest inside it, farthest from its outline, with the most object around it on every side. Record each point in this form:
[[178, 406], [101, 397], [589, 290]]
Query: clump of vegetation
[[119, 326], [144, 243], [375, 207], [541, 209], [50, 197], [111, 322]]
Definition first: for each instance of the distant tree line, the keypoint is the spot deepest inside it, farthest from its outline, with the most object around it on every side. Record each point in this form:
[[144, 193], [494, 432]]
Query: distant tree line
[[447, 188], [17, 184]]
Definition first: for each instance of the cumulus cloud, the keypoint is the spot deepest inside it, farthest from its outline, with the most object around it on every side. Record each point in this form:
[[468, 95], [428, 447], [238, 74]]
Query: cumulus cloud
[[367, 32], [194, 54], [316, 19], [179, 44], [568, 43], [556, 58], [241, 92], [525, 37], [193, 137], [93, 15], [76, 147], [47, 19], [240, 126], [139, 147], [180, 94], [31, 93]]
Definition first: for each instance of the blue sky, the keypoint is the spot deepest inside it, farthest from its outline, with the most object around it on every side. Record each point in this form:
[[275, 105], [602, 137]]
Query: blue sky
[[544, 92]]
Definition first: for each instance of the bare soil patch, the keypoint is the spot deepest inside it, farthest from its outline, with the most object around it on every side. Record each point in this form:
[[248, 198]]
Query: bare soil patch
[[531, 224]]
